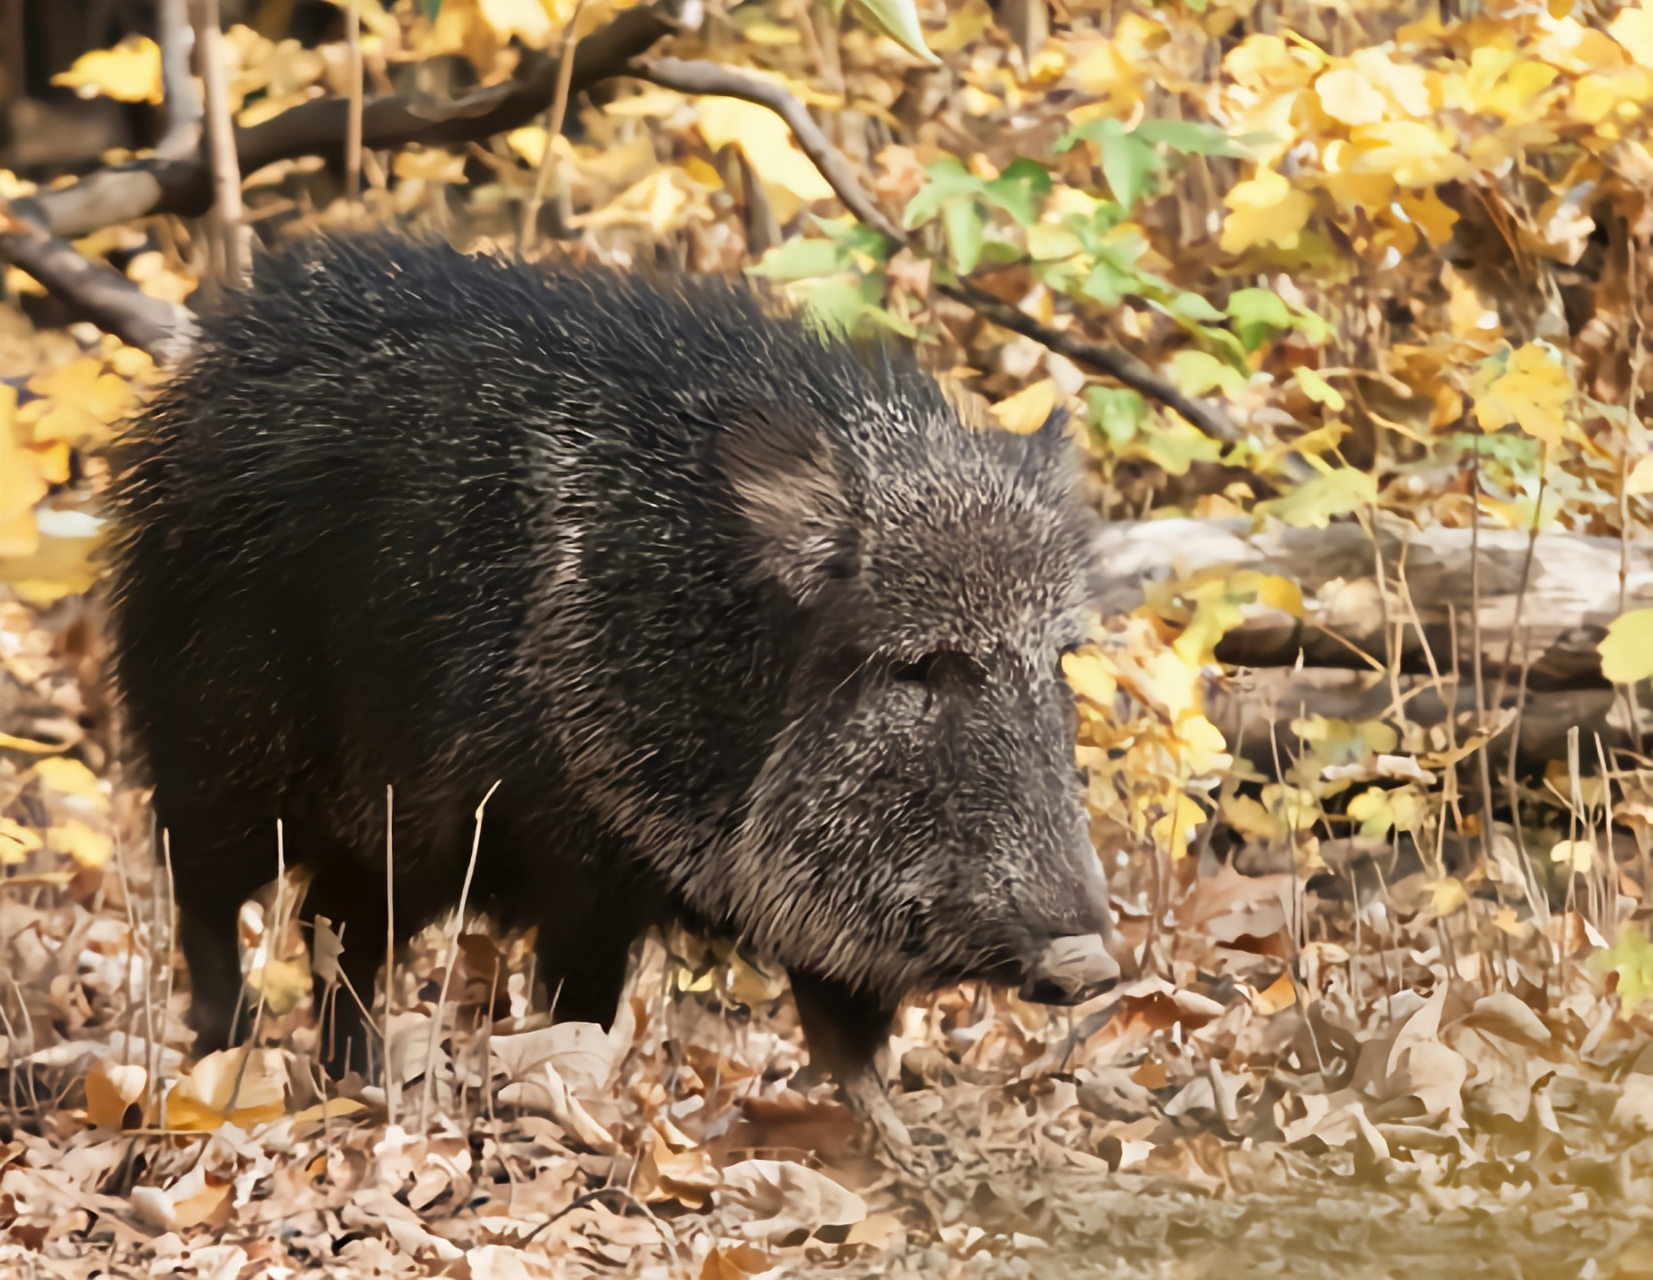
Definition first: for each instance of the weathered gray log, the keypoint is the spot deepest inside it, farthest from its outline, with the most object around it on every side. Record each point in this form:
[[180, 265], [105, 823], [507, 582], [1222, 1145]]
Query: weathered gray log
[[1571, 594]]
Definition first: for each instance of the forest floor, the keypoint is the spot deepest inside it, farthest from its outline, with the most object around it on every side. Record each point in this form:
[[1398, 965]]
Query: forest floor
[[1300, 1085]]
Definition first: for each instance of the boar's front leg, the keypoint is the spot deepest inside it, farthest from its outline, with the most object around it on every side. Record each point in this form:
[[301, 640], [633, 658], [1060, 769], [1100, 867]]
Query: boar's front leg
[[848, 1032]]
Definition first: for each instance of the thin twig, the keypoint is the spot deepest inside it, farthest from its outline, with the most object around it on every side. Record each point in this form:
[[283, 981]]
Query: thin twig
[[390, 941], [353, 124], [553, 130], [452, 957]]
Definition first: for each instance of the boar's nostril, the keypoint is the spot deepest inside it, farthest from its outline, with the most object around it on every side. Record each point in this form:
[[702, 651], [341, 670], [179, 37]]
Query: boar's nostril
[[1070, 970]]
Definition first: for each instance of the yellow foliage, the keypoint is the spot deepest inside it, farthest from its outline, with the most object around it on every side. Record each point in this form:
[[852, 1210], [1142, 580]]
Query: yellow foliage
[[1265, 209], [1531, 391], [130, 72]]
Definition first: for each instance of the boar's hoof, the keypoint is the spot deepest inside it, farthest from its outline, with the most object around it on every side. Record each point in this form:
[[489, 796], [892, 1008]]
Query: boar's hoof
[[863, 1092], [1071, 970]]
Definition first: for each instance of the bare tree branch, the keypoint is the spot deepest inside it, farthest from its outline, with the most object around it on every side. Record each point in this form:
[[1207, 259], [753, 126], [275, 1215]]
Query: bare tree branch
[[729, 82], [183, 105], [319, 127], [101, 294], [234, 235]]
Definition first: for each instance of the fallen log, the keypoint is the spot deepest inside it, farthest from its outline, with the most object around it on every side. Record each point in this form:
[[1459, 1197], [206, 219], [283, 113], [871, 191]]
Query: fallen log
[[1406, 592]]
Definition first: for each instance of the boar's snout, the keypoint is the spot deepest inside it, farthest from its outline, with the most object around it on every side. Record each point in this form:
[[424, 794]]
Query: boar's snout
[[1071, 970]]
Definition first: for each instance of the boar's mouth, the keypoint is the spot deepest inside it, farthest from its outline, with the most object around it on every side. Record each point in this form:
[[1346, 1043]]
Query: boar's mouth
[[1071, 970]]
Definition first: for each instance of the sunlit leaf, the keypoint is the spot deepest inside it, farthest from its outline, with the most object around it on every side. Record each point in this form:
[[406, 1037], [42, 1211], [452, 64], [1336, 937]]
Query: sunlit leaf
[[897, 19], [1528, 388], [1627, 649], [1027, 410], [130, 72], [1320, 499]]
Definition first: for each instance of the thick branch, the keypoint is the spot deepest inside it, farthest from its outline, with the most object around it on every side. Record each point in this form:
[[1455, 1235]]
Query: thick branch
[[729, 82], [318, 127], [99, 293]]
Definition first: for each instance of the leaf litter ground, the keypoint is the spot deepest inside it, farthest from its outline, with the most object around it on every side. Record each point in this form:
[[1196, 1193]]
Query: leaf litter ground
[[1351, 1075]]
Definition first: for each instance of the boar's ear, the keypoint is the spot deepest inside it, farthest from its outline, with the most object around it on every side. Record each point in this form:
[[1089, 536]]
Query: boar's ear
[[788, 487]]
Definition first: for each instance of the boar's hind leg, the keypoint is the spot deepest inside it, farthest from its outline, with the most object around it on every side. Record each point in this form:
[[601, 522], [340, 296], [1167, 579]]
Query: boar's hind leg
[[847, 1032], [213, 875], [586, 930], [351, 896]]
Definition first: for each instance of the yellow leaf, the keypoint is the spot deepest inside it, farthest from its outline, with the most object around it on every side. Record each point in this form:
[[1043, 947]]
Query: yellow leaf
[[1578, 856], [17, 842], [10, 743], [252, 1080], [1251, 818], [332, 1109], [1027, 410], [1315, 502], [1090, 677], [21, 482], [430, 166], [1265, 209], [87, 847], [1295, 807], [72, 778], [767, 143], [1633, 28], [1319, 390], [529, 143], [1532, 391], [1432, 214], [111, 1088], [1627, 649], [1177, 829], [1415, 154], [79, 402], [1279, 994], [130, 72], [1447, 895], [1204, 750], [1171, 682], [526, 19], [1640, 479], [1349, 97]]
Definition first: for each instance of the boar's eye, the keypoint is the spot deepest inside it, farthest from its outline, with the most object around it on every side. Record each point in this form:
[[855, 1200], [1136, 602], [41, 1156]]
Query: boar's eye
[[941, 666]]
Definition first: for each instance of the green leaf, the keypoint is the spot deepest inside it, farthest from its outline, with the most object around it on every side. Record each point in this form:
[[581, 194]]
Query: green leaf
[[1175, 446], [801, 259], [897, 19], [947, 179], [1319, 390], [1631, 957], [1226, 345], [1130, 165], [1190, 137], [1197, 373], [965, 225], [1314, 503], [1258, 315], [1192, 308], [1627, 650], [1107, 285], [851, 304], [1019, 190], [1046, 243], [1118, 413]]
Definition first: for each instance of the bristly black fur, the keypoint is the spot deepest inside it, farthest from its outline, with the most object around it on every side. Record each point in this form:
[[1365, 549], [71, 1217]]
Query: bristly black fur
[[751, 631]]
